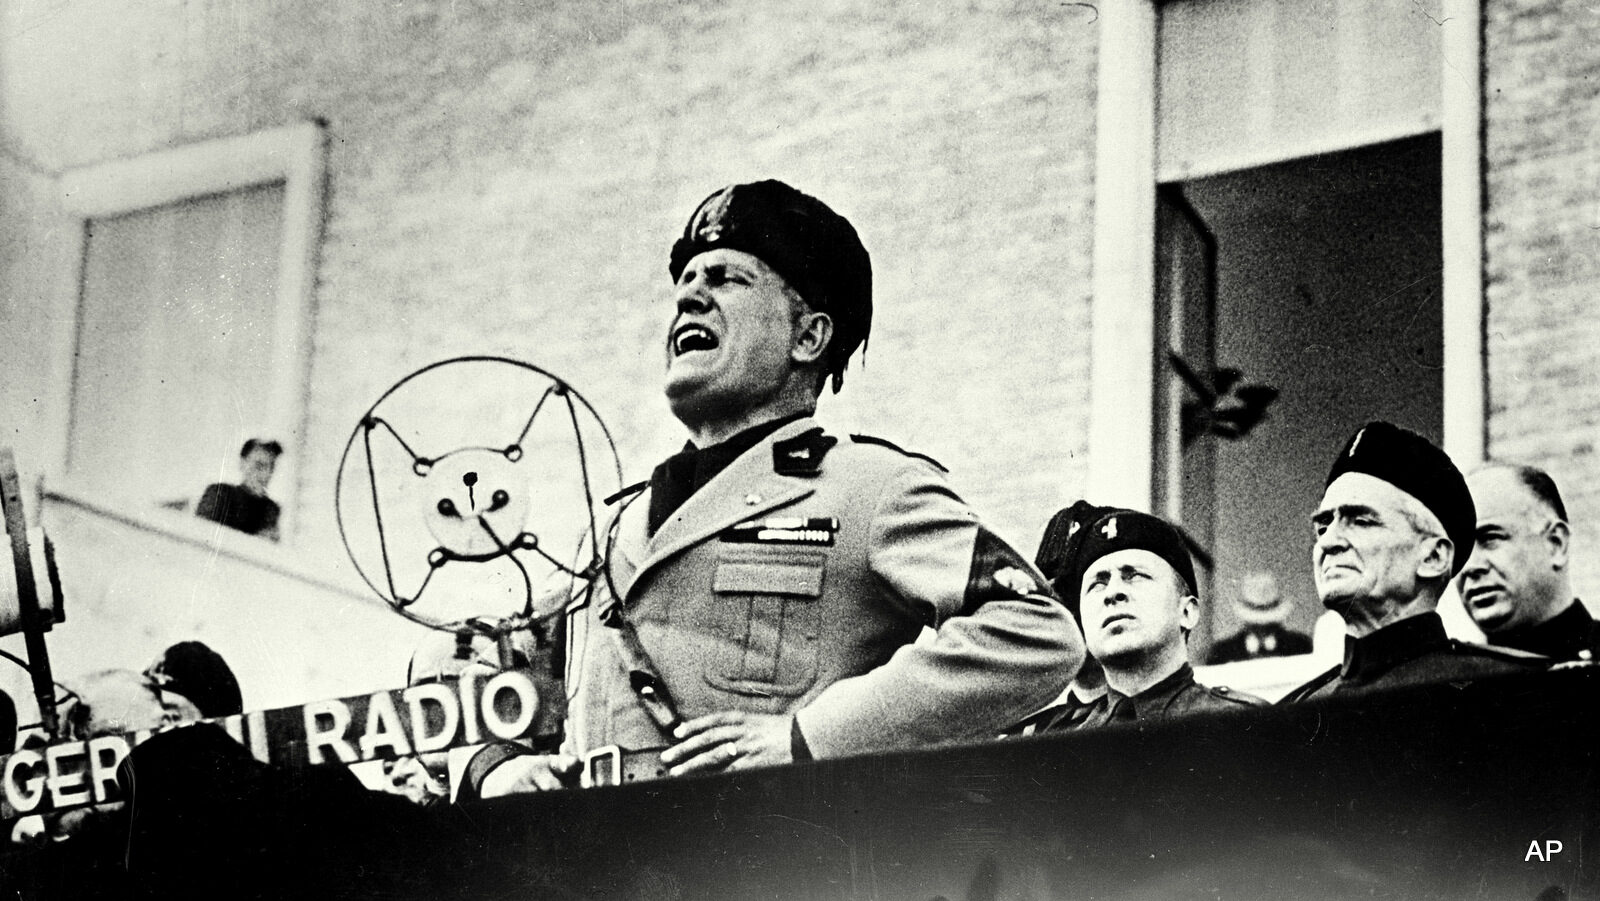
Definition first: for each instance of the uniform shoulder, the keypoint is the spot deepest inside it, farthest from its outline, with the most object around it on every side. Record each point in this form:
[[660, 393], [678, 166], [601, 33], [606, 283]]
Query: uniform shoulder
[[1512, 656], [872, 441], [1311, 687], [1229, 695]]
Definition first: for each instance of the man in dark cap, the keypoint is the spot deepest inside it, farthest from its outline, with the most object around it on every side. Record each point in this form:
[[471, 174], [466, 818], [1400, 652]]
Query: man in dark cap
[[1516, 584], [765, 590], [194, 683], [1137, 603], [1057, 558], [1394, 525]]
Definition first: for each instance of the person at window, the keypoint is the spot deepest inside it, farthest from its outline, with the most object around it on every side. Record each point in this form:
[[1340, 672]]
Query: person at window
[[1395, 524], [771, 579], [1262, 610], [1516, 585], [1137, 601], [246, 506]]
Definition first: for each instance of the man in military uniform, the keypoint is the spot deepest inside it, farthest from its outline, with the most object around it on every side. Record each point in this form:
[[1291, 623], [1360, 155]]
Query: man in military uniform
[[1261, 610], [1057, 558], [764, 592], [1137, 603], [1393, 515], [1516, 584]]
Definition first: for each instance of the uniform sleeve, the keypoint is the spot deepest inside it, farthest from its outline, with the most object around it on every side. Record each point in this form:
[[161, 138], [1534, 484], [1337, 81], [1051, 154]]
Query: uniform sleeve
[[1003, 648]]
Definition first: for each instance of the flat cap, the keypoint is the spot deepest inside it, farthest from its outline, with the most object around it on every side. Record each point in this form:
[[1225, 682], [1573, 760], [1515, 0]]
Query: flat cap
[[814, 249], [1418, 467]]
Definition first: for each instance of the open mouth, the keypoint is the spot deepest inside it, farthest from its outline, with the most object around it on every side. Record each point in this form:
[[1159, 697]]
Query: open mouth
[[690, 338]]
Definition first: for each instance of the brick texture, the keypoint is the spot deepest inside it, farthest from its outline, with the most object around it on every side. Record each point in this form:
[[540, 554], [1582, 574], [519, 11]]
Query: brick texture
[[1543, 243], [507, 179]]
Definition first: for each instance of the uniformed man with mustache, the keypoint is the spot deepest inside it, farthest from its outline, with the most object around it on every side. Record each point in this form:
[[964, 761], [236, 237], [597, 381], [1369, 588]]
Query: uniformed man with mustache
[[765, 590]]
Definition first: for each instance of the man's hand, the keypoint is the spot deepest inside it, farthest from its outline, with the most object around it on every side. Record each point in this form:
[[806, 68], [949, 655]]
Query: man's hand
[[729, 741], [530, 773]]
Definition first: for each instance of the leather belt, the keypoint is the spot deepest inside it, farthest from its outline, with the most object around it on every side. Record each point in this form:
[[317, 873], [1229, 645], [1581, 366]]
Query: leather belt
[[612, 765]]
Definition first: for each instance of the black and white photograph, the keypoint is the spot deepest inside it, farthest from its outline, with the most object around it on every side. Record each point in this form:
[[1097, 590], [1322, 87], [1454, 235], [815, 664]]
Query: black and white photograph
[[664, 450]]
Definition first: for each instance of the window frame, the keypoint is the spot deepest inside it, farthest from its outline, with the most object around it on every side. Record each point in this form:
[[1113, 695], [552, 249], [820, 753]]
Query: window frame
[[294, 155], [1122, 410]]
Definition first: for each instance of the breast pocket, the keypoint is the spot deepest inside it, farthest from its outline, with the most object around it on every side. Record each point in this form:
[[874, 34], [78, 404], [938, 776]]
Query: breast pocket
[[768, 616]]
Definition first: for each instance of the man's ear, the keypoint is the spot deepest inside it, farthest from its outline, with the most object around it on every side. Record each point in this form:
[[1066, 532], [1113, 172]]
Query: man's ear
[[1188, 612], [812, 333], [1435, 564], [1558, 539]]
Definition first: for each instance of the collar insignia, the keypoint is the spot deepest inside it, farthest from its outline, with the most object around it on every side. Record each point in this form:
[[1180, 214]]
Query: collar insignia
[[802, 455]]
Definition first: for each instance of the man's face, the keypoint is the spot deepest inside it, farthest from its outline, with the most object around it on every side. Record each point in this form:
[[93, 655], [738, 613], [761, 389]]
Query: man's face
[[113, 701], [729, 341], [177, 709], [1134, 604], [256, 469], [1366, 550], [1513, 577]]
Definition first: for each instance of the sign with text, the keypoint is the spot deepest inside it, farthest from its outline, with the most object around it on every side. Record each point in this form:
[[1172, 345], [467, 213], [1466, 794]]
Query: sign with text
[[424, 718]]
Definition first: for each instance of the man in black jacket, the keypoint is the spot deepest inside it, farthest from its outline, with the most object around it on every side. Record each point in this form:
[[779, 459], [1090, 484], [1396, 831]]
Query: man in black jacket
[[245, 506], [1516, 584], [1394, 525], [1261, 609], [1136, 591]]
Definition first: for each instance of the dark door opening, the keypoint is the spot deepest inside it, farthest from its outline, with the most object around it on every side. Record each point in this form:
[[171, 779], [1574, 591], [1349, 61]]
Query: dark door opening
[[1319, 278]]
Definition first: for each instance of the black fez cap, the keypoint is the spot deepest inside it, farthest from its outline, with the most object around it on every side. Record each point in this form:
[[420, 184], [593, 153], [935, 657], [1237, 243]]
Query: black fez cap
[[1058, 555], [1129, 529], [815, 249], [191, 669], [1418, 467]]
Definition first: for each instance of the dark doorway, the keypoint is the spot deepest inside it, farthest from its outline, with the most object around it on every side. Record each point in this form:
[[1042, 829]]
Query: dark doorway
[[1320, 279]]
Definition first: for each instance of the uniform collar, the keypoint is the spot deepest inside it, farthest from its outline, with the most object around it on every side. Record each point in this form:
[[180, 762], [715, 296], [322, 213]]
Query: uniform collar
[[1155, 698], [686, 472], [749, 487], [1562, 636], [1371, 656]]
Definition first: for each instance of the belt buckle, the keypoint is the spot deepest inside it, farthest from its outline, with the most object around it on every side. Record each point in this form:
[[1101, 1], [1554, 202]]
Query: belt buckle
[[593, 772]]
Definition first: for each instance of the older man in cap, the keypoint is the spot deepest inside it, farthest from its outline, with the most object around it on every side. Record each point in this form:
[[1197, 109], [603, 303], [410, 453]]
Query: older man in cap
[[1516, 585], [765, 590], [1394, 525]]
